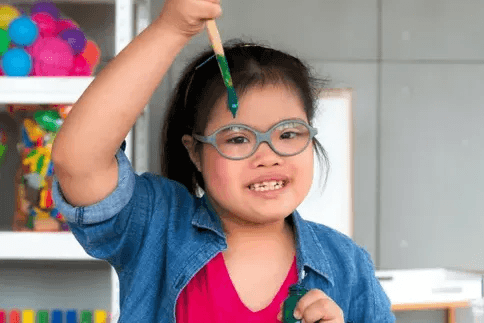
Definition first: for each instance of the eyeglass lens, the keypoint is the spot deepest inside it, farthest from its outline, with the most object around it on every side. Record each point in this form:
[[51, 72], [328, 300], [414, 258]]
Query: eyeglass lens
[[288, 138]]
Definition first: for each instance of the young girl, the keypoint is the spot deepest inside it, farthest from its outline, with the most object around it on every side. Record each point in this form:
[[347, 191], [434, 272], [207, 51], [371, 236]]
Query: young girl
[[231, 254]]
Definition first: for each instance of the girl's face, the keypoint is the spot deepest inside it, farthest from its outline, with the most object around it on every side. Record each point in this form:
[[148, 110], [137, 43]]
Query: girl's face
[[227, 181]]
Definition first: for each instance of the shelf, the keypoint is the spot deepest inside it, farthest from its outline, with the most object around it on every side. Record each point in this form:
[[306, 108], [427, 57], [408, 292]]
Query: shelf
[[430, 306], [65, 1], [42, 90], [41, 246]]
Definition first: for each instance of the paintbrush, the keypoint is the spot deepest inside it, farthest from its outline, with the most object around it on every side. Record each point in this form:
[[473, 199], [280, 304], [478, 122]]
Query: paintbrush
[[214, 37]]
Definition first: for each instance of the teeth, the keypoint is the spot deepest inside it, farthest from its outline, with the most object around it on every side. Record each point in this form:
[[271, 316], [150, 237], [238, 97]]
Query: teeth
[[267, 186]]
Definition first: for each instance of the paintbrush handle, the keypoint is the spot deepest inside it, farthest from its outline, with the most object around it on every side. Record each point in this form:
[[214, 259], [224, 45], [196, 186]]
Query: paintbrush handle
[[214, 37], [217, 46]]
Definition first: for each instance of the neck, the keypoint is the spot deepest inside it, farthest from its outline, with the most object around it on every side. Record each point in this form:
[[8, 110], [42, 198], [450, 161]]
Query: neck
[[246, 230], [275, 243], [275, 236], [240, 231]]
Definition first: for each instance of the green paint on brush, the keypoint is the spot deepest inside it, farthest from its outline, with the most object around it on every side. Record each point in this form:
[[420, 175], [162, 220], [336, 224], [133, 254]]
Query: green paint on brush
[[232, 96]]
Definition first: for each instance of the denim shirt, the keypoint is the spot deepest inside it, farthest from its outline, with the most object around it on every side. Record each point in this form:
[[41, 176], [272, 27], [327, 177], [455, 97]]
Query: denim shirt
[[157, 236]]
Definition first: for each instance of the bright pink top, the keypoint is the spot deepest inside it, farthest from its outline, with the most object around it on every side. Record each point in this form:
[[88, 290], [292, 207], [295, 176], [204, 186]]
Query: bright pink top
[[210, 297]]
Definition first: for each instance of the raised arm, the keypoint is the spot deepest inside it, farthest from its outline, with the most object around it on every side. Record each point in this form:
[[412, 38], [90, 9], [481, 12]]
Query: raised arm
[[84, 149]]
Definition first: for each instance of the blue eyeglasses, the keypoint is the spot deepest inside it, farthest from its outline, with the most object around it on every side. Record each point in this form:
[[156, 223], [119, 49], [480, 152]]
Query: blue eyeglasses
[[238, 141]]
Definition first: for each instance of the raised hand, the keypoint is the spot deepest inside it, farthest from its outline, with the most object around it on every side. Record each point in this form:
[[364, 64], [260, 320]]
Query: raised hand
[[188, 17]]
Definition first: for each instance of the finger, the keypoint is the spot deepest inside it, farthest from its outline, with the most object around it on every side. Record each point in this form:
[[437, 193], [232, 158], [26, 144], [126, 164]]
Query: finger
[[209, 9], [279, 315], [308, 298], [324, 310]]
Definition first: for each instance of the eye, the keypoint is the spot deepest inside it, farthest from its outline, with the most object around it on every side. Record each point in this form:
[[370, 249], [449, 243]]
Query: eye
[[289, 135], [289, 130], [235, 135], [237, 140]]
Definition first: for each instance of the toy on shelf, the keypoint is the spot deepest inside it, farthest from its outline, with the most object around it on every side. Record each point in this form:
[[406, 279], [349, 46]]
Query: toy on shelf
[[35, 209], [3, 144], [7, 137], [44, 44], [55, 315]]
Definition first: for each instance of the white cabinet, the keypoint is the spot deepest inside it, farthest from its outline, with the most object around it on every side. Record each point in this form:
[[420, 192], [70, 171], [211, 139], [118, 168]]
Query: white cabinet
[[27, 272], [22, 251]]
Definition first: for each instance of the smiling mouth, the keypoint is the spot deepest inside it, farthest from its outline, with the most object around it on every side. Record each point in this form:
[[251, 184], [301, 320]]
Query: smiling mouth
[[267, 186]]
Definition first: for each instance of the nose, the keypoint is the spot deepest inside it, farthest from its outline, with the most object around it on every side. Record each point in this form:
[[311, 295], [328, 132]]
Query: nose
[[265, 156]]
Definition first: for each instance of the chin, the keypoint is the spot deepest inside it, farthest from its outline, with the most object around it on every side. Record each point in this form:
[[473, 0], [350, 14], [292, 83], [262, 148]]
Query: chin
[[274, 213]]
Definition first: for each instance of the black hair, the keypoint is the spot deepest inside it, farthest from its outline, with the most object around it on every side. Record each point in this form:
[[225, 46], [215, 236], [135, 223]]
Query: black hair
[[201, 86]]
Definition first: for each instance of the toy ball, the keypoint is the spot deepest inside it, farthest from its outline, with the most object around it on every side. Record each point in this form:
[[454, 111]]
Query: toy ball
[[54, 58], [16, 62], [45, 22], [4, 41], [63, 24], [75, 38], [7, 14], [23, 31], [33, 49], [46, 6], [92, 54], [81, 67]]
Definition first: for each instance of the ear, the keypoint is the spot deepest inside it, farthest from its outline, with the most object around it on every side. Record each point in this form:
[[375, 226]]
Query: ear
[[189, 144]]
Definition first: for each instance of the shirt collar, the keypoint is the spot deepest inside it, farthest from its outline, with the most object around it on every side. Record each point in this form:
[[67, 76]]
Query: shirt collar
[[310, 252]]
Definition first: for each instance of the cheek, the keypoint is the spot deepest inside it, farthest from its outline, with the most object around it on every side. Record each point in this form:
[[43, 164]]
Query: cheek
[[219, 173], [306, 170]]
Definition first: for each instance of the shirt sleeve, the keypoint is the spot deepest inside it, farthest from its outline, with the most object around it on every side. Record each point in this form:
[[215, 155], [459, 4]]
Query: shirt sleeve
[[111, 229], [104, 209], [371, 304]]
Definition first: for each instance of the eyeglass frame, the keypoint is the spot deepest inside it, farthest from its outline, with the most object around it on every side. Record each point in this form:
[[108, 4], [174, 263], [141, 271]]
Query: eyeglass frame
[[260, 138]]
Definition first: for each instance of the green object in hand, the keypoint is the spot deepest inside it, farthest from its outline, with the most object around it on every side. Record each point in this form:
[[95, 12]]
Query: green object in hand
[[295, 294]]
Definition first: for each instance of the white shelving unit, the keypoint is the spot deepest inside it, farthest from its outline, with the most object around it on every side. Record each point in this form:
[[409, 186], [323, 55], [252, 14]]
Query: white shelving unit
[[41, 246], [37, 90], [62, 246]]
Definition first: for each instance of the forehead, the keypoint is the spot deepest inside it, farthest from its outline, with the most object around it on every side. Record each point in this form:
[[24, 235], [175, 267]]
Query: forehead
[[259, 107]]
